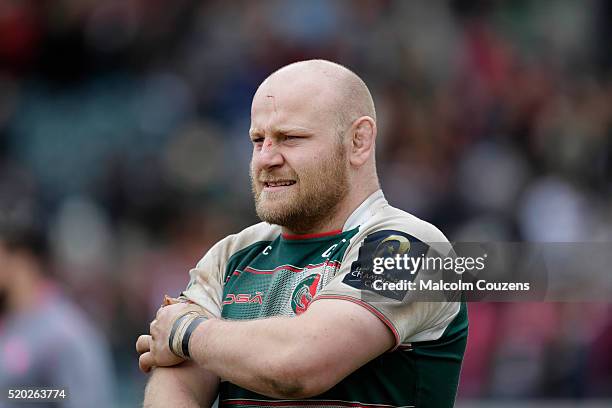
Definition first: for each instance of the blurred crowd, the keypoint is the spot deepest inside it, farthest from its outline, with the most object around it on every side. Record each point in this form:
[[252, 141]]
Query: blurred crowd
[[124, 132]]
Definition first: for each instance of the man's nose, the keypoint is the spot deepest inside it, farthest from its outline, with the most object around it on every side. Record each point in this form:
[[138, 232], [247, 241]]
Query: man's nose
[[270, 154]]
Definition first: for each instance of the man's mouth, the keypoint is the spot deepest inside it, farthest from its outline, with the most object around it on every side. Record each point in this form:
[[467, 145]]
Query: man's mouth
[[277, 184]]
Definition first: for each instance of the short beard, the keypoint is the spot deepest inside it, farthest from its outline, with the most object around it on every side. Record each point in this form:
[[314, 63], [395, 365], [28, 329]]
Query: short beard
[[319, 196]]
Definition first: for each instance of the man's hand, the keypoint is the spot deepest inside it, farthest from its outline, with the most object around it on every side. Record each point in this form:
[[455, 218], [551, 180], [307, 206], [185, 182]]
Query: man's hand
[[154, 349]]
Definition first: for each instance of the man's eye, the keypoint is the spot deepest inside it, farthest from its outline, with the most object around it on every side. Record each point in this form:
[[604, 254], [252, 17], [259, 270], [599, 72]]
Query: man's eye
[[292, 137], [257, 140]]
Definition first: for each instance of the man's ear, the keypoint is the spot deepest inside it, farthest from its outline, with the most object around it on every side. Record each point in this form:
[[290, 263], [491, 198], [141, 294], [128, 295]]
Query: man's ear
[[363, 137]]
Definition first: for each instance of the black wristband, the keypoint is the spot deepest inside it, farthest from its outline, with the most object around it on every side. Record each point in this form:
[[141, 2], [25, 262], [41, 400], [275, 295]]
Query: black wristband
[[192, 326], [175, 326]]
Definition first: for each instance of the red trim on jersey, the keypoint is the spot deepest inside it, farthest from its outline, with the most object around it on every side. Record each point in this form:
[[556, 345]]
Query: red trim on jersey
[[371, 309], [257, 271], [289, 268], [308, 236]]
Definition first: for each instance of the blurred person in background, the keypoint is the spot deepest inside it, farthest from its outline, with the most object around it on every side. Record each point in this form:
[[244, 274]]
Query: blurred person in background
[[45, 340]]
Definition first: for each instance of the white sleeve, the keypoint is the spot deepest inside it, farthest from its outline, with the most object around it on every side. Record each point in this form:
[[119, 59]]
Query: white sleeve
[[409, 320], [205, 286]]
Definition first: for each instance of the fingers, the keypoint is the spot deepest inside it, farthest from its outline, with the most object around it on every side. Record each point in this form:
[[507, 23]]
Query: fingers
[[145, 362], [143, 344], [169, 301]]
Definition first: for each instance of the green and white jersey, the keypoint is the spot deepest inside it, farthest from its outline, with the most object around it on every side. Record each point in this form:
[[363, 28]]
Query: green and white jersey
[[260, 272]]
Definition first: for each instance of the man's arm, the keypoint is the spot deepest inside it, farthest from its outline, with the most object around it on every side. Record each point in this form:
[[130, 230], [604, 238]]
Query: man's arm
[[186, 385], [283, 357]]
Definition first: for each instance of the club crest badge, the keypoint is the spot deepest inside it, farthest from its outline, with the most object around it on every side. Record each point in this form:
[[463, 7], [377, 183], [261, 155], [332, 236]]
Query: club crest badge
[[304, 293]]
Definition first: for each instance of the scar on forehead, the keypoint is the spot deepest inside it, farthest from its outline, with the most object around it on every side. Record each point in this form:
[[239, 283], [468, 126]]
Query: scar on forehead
[[273, 101]]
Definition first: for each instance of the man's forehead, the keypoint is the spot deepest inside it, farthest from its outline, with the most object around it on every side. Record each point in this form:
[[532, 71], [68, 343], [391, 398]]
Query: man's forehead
[[287, 94], [270, 99], [297, 87], [290, 106]]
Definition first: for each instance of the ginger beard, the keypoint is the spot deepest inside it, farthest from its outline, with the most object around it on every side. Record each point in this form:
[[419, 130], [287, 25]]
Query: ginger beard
[[320, 187]]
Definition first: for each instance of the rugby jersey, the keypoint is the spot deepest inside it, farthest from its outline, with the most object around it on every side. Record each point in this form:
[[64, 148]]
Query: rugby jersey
[[261, 272]]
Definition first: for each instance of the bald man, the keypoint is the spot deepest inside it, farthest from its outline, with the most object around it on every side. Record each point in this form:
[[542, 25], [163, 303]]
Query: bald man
[[280, 314]]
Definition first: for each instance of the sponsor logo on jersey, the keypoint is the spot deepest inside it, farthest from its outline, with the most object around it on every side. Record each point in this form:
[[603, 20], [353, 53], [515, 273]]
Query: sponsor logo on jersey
[[304, 293], [232, 298]]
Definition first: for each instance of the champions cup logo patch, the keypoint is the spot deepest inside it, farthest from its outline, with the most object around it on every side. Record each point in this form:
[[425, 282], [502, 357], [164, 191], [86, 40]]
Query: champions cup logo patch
[[304, 293], [391, 246], [384, 245]]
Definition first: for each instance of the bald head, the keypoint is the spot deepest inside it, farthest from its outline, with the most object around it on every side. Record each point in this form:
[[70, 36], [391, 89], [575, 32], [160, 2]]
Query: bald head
[[334, 88], [313, 131]]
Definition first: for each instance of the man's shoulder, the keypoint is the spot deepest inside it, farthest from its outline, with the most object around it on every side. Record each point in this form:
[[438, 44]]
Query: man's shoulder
[[259, 233], [392, 219], [389, 216]]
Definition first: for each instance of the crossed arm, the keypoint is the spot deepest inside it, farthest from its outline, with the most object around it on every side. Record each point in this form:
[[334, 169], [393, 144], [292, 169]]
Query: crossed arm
[[185, 385], [281, 357]]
